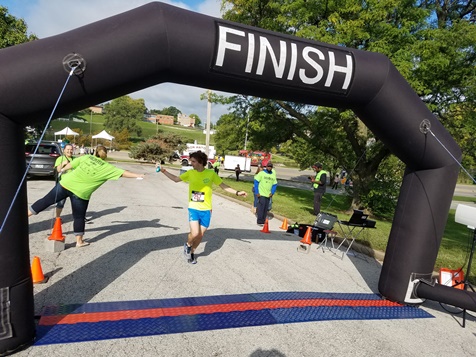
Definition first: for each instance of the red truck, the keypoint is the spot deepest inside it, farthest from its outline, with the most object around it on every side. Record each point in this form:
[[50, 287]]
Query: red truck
[[257, 157]]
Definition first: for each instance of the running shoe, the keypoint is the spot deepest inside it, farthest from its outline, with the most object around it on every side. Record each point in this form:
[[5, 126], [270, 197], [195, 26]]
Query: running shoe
[[192, 259], [187, 251]]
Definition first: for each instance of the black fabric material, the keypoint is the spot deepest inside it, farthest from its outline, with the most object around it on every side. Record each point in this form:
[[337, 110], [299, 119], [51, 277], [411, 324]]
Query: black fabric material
[[159, 43]]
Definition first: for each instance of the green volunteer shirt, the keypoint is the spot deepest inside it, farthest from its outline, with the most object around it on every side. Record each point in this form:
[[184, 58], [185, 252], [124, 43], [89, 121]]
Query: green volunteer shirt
[[200, 188], [266, 181], [89, 173], [62, 159]]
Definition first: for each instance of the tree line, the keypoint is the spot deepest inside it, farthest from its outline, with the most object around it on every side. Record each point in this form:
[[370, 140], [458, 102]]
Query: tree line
[[432, 44]]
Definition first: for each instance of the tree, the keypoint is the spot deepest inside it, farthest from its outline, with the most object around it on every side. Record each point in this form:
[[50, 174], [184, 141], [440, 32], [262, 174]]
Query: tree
[[173, 111], [159, 148], [436, 57], [121, 139], [13, 31], [124, 113], [229, 136], [198, 122]]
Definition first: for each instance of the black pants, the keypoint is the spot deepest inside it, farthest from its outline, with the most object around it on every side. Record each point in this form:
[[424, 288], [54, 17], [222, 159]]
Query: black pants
[[317, 201], [262, 209], [78, 205]]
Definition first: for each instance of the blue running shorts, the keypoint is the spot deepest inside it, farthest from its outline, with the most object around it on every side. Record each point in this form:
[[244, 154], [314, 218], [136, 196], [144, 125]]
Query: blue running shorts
[[203, 217]]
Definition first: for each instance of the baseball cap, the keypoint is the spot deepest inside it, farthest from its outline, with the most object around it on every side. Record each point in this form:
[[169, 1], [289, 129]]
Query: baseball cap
[[269, 164], [317, 164]]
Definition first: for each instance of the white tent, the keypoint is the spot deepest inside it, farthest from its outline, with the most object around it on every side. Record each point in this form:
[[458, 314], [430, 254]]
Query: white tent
[[66, 131], [104, 135]]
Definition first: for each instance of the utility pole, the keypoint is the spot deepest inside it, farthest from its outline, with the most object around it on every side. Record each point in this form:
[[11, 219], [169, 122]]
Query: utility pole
[[247, 123], [207, 135]]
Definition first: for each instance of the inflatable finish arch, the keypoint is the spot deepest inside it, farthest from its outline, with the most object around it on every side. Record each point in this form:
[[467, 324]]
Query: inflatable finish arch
[[159, 43]]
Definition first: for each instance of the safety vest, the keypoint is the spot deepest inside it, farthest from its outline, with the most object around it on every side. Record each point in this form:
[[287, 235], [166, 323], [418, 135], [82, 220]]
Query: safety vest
[[318, 178]]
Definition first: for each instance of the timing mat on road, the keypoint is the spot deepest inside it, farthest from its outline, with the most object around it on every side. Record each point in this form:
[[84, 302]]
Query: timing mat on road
[[110, 320]]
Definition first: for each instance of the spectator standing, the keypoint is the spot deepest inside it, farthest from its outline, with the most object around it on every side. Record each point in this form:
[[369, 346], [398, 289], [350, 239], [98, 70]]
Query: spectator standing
[[60, 163], [200, 185], [335, 185], [237, 172], [319, 186], [265, 184], [216, 166]]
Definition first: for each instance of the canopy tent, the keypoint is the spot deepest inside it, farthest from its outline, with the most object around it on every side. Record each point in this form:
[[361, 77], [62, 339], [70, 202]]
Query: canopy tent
[[66, 131], [104, 135]]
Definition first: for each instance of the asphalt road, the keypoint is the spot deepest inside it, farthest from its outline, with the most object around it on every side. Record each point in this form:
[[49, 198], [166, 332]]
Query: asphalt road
[[136, 236]]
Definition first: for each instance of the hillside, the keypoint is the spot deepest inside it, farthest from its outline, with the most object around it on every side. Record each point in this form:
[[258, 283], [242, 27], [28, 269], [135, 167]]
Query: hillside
[[94, 124]]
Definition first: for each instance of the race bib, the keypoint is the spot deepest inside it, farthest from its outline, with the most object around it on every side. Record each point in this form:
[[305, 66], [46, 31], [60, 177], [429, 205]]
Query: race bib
[[198, 196]]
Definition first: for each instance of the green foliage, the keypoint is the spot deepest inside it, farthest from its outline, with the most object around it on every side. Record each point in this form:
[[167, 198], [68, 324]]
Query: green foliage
[[158, 148], [230, 134], [173, 111], [121, 139], [198, 122], [383, 194], [124, 113], [436, 57], [13, 31]]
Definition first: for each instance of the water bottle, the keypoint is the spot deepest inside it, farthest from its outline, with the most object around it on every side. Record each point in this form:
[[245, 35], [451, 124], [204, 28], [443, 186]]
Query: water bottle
[[157, 169]]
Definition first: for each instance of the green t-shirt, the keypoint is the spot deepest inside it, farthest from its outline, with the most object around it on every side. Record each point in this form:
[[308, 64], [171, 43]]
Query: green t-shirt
[[266, 181], [89, 173], [62, 159], [200, 188]]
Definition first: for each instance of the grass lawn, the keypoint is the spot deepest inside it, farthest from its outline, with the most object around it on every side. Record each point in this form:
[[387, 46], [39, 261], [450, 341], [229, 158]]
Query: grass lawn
[[148, 129], [297, 206]]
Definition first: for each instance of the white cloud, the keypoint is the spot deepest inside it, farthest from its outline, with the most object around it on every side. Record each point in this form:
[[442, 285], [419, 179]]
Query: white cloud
[[51, 17]]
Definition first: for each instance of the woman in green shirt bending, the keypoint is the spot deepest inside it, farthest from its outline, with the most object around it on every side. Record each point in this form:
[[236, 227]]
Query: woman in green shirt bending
[[88, 174]]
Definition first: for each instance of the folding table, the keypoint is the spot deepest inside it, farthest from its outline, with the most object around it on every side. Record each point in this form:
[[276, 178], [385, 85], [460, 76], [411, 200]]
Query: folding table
[[351, 233]]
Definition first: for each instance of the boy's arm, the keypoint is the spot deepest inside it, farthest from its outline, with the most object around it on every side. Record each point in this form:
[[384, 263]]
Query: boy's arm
[[168, 174]]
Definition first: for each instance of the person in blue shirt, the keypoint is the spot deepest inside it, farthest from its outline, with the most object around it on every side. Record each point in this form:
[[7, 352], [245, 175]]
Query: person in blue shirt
[[265, 184]]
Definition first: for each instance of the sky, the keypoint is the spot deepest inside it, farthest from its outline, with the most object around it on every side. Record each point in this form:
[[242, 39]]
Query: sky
[[46, 18]]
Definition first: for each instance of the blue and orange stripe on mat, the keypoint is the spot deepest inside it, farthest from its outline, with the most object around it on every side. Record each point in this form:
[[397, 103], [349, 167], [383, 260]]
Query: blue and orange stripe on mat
[[98, 321]]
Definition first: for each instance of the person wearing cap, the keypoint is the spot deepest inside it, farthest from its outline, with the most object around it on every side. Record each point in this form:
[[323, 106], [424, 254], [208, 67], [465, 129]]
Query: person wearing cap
[[319, 186], [265, 184]]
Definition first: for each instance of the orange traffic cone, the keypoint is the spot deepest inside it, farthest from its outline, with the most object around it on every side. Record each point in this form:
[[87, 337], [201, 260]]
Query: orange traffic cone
[[265, 227], [57, 233], [37, 272], [285, 224], [307, 236]]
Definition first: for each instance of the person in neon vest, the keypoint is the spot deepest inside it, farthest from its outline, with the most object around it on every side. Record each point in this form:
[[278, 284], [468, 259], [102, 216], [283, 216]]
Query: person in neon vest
[[265, 184], [319, 185]]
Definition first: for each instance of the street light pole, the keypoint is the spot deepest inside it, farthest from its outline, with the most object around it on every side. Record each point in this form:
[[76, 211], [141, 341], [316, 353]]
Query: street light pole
[[247, 123], [207, 137]]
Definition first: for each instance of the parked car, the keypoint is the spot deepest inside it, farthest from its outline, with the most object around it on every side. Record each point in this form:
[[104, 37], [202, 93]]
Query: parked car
[[44, 161]]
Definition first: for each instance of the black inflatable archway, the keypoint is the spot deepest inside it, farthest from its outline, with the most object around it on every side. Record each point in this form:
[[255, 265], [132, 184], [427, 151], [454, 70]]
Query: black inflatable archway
[[159, 43]]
